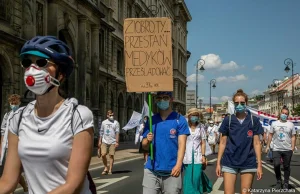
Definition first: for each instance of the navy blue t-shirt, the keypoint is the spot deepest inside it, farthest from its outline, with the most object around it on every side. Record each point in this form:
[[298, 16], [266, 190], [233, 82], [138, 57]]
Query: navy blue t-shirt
[[239, 151], [165, 141]]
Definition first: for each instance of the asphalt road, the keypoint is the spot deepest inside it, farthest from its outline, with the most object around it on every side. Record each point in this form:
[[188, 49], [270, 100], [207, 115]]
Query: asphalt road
[[127, 178], [128, 175]]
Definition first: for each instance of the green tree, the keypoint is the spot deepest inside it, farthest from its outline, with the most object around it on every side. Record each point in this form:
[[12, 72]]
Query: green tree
[[259, 97], [297, 110]]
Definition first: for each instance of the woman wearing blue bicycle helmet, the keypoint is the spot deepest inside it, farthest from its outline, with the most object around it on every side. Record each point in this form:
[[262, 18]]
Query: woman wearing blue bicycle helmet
[[52, 137]]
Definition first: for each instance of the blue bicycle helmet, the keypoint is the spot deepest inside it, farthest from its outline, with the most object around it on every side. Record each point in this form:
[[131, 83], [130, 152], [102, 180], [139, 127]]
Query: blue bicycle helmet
[[50, 47]]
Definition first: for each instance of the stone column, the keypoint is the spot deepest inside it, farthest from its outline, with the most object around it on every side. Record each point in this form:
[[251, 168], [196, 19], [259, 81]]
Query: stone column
[[95, 66], [81, 58], [52, 19]]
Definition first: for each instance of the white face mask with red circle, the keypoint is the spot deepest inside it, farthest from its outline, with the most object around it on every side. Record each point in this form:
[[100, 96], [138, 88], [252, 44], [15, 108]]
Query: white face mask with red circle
[[38, 80]]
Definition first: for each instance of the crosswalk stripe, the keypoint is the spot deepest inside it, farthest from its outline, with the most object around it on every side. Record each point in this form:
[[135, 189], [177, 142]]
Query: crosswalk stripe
[[218, 184], [268, 167], [213, 160]]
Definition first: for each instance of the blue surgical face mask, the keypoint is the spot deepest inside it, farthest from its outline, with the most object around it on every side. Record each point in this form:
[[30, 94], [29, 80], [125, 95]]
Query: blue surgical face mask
[[283, 117], [194, 119], [163, 104], [14, 107], [240, 108]]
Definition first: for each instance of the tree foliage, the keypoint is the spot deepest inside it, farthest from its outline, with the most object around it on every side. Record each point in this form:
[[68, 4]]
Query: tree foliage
[[297, 110]]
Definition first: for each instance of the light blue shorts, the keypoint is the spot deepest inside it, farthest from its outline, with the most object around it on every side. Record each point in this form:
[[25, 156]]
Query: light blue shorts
[[237, 170]]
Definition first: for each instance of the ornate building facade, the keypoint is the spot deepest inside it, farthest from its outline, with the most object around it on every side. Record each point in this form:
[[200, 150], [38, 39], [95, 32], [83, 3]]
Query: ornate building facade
[[275, 97], [94, 31]]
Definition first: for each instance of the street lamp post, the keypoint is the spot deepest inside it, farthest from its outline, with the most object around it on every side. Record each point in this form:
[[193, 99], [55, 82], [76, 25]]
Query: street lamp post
[[200, 62], [212, 84], [289, 62]]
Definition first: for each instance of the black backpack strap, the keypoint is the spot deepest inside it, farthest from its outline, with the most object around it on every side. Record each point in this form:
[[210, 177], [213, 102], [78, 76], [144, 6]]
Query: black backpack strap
[[72, 117]]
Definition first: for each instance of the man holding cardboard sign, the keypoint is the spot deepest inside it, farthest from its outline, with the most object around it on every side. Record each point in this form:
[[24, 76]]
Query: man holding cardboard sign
[[149, 68], [148, 54], [170, 131]]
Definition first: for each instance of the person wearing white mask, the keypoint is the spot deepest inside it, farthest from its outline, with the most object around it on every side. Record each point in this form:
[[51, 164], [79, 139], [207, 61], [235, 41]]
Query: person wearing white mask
[[212, 134], [51, 138], [283, 134], [14, 102], [109, 140]]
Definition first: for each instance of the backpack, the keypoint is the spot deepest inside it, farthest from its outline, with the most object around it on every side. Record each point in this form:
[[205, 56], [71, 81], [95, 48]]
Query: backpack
[[92, 185]]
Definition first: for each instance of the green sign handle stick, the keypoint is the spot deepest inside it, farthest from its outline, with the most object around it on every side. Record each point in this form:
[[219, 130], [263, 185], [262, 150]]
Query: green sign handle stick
[[150, 122]]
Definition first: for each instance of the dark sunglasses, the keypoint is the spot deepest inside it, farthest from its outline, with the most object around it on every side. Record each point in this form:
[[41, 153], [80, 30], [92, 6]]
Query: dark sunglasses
[[25, 63], [159, 98], [241, 103]]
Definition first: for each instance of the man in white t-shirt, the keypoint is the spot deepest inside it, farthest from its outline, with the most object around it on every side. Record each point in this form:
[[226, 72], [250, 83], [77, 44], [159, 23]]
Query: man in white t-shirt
[[212, 136], [283, 134], [109, 140]]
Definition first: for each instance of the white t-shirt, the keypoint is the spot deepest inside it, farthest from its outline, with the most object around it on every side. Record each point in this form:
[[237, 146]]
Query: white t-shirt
[[108, 131], [193, 142], [282, 135], [4, 128], [45, 144], [211, 131]]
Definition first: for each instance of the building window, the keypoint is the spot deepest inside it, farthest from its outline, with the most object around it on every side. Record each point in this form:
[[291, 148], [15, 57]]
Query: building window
[[112, 54], [180, 63], [39, 19], [120, 62], [6, 10]]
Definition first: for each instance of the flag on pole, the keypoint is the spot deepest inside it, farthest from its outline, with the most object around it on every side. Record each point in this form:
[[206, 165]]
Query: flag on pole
[[145, 110], [134, 121]]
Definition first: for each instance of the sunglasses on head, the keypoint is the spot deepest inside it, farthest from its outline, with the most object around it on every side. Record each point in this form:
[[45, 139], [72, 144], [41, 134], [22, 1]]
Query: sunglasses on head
[[26, 62], [241, 103]]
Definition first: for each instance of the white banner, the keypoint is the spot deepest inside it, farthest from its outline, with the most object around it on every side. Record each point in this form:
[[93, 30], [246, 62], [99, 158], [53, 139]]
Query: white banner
[[145, 111], [134, 121], [265, 118], [230, 107]]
